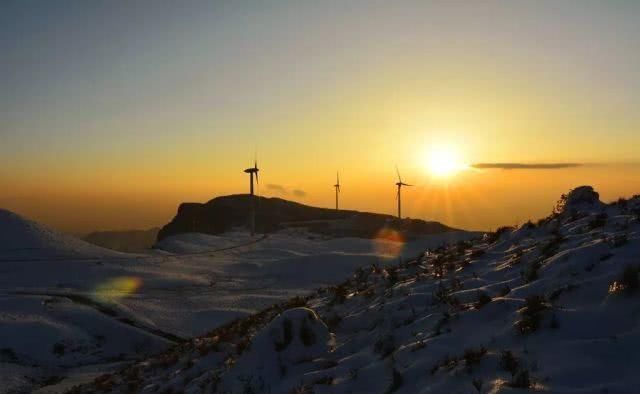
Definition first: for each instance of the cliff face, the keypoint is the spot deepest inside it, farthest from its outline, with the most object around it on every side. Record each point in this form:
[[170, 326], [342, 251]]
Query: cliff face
[[223, 213]]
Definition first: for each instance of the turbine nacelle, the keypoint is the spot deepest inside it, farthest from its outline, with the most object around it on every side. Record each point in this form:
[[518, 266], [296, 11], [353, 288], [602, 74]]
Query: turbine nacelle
[[253, 170]]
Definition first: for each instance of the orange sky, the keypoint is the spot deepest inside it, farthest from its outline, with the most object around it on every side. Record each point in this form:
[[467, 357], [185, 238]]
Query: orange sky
[[112, 116], [471, 199]]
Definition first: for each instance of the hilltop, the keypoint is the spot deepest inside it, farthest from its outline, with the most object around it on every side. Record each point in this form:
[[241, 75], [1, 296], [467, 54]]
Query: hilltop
[[227, 212], [548, 306]]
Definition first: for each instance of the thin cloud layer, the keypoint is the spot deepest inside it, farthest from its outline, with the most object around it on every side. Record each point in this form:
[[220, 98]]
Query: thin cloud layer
[[299, 193], [281, 189], [277, 188], [523, 166]]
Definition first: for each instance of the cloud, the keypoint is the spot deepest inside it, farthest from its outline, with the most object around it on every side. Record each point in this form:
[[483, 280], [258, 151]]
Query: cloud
[[523, 166], [299, 193], [284, 190], [277, 188]]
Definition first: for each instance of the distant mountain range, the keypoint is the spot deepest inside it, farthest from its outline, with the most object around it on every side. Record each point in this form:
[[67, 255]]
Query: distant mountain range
[[227, 212], [131, 241]]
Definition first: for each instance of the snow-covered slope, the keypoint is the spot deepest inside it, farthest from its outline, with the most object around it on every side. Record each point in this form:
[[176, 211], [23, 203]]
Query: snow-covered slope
[[552, 306], [22, 239], [50, 319]]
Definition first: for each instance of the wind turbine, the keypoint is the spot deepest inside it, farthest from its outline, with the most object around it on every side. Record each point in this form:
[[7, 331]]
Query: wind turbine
[[400, 184], [251, 171], [337, 186]]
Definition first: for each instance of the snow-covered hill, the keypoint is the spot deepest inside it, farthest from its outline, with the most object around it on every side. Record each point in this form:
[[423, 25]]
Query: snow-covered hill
[[551, 306], [46, 328], [23, 239]]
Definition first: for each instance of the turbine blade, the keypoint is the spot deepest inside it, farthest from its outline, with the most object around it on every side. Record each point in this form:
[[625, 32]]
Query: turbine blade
[[257, 181], [399, 177]]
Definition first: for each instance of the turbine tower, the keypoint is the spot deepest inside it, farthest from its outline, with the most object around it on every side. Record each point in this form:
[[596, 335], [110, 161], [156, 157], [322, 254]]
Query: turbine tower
[[337, 186], [400, 184], [252, 219]]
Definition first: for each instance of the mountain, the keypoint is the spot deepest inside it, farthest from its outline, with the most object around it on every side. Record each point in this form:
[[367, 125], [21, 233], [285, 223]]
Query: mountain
[[224, 213], [131, 241], [550, 306]]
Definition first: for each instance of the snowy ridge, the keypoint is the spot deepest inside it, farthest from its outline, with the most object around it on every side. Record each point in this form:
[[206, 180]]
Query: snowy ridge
[[552, 306]]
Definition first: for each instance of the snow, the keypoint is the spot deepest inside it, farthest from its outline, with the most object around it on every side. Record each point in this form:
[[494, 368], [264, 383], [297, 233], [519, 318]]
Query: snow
[[66, 304], [292, 338], [550, 307]]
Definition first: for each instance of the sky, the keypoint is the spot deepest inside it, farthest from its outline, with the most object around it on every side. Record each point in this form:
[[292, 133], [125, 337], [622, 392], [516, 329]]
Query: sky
[[114, 112]]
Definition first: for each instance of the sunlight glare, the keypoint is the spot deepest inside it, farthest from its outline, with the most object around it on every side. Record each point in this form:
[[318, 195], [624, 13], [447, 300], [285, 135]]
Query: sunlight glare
[[443, 161]]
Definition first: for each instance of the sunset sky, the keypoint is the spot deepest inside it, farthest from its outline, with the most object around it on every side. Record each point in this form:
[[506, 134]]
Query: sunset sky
[[114, 112]]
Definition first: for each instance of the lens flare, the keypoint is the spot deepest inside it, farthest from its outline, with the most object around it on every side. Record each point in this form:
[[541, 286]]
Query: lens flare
[[117, 288], [388, 243]]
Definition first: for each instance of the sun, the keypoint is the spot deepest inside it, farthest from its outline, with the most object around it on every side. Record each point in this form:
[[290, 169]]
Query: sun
[[443, 161]]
